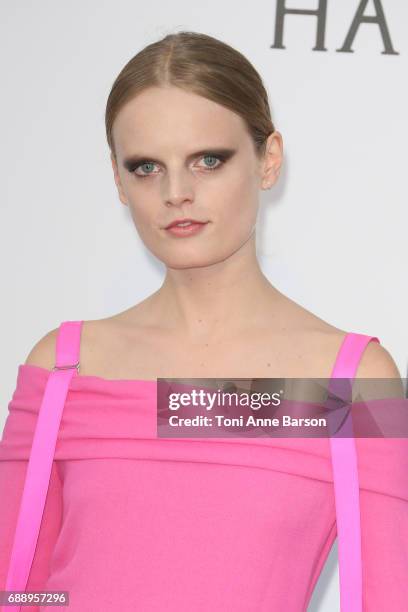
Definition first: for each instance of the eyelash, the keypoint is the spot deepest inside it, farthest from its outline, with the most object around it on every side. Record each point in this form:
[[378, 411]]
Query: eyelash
[[221, 158]]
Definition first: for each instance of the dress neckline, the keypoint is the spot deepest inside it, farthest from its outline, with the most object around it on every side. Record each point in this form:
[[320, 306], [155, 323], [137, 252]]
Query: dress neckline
[[91, 377]]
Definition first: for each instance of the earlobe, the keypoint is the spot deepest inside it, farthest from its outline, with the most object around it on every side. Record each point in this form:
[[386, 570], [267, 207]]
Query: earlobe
[[269, 178], [122, 197], [273, 159], [117, 180]]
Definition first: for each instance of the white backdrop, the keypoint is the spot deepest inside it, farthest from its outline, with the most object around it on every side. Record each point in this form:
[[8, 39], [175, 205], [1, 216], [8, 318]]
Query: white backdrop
[[332, 233]]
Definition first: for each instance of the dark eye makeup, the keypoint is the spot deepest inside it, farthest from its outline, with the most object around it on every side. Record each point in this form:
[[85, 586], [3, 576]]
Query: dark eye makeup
[[221, 154]]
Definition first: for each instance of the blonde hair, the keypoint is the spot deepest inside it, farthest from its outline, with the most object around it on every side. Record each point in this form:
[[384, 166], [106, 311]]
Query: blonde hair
[[200, 64]]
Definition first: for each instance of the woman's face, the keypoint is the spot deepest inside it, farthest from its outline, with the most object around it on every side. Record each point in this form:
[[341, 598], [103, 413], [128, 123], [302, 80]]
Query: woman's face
[[179, 155]]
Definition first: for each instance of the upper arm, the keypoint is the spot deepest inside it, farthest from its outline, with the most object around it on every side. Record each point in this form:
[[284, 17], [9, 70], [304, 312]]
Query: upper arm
[[13, 474], [12, 480], [43, 352], [383, 465], [377, 363]]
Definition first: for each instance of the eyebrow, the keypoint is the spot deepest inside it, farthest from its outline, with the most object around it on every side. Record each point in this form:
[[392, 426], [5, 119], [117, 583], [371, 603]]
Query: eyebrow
[[130, 162]]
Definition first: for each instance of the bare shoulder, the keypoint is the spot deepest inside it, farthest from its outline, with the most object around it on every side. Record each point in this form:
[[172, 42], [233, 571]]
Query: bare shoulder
[[377, 362], [94, 332], [322, 342], [43, 352]]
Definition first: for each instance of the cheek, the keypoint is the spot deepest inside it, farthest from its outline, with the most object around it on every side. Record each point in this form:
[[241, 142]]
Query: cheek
[[239, 206], [143, 220]]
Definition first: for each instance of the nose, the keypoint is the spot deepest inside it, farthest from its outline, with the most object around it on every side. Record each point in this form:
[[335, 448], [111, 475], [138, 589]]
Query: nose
[[177, 190]]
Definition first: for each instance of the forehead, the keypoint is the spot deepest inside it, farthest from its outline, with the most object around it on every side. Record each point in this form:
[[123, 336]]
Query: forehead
[[169, 117]]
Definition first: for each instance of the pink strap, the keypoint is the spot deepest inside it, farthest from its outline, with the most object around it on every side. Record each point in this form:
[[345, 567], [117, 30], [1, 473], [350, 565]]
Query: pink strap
[[346, 486], [41, 458]]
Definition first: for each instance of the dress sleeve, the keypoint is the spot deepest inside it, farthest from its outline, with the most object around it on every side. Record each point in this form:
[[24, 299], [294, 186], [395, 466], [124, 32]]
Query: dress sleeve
[[15, 446], [383, 466]]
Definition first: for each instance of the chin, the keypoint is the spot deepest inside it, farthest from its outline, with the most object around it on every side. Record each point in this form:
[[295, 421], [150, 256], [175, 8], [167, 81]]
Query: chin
[[187, 264]]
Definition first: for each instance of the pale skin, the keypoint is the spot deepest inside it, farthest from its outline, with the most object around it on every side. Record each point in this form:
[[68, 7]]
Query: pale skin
[[216, 314]]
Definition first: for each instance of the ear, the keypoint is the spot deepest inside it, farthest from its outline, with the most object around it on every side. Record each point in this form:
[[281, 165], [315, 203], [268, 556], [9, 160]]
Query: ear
[[121, 192], [272, 160]]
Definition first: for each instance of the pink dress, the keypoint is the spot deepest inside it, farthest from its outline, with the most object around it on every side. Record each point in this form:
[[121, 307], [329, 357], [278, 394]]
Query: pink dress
[[133, 522]]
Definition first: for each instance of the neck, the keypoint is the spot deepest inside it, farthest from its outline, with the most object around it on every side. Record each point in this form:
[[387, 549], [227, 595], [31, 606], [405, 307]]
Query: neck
[[211, 301]]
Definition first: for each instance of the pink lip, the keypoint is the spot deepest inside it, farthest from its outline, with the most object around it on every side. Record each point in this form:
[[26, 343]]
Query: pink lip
[[183, 221], [188, 230]]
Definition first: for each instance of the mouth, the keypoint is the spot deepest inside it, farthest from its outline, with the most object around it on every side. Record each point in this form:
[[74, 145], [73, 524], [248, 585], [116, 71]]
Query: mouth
[[183, 222], [186, 227]]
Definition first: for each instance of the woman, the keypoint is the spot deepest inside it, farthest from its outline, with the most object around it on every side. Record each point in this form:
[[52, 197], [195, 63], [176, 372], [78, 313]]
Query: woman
[[189, 524]]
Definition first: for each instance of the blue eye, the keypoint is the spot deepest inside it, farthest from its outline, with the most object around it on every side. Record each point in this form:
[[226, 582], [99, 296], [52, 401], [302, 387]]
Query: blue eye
[[145, 163], [151, 164], [214, 157]]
